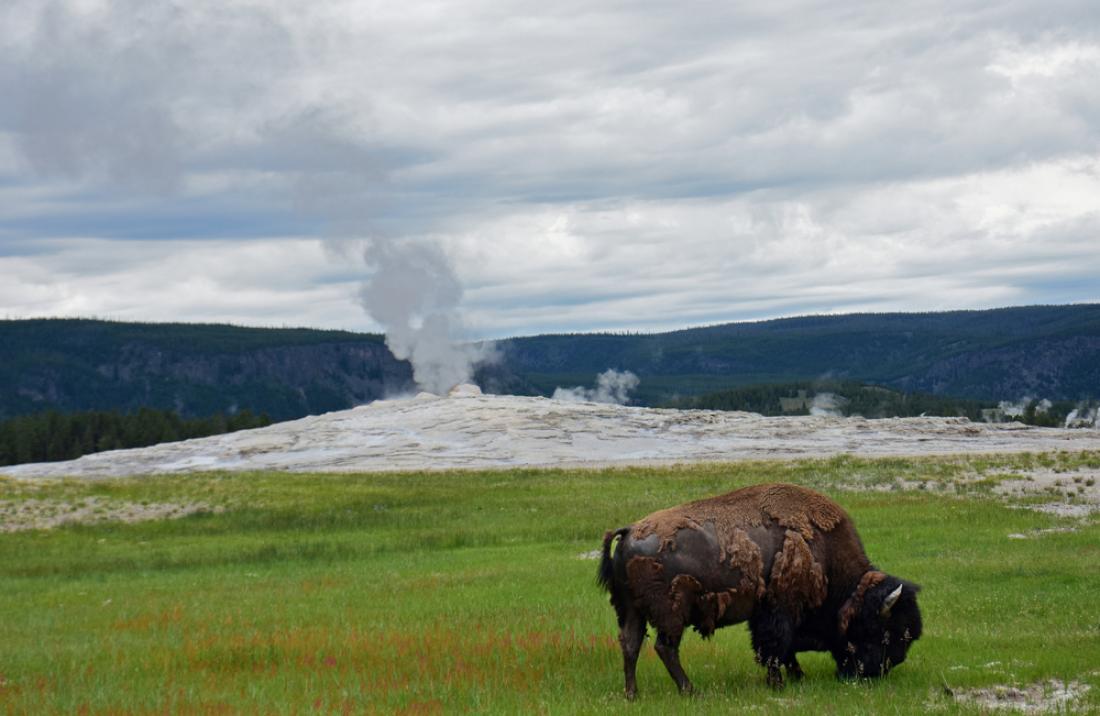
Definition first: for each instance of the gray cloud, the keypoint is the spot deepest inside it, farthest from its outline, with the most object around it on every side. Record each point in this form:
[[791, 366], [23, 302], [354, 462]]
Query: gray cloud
[[621, 165]]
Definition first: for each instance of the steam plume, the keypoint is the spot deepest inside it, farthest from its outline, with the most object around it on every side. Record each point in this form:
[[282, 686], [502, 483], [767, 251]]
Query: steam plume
[[828, 404], [415, 295], [1083, 416], [612, 386]]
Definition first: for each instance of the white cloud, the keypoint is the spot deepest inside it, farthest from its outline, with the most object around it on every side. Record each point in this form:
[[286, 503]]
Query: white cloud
[[621, 165], [276, 282]]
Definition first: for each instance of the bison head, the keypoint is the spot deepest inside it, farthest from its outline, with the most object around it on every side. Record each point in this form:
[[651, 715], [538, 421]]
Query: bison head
[[878, 623]]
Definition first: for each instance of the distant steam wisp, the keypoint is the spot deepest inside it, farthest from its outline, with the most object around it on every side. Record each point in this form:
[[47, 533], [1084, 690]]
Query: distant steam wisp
[[1083, 416], [612, 386], [828, 404]]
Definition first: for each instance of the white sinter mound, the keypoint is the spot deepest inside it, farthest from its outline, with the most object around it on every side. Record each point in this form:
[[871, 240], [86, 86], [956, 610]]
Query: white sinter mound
[[471, 430]]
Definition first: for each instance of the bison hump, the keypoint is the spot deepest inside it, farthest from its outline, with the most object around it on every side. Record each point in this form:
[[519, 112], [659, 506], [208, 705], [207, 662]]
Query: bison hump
[[790, 506], [799, 509]]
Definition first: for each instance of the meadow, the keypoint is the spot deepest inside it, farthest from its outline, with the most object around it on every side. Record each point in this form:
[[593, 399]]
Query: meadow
[[474, 592]]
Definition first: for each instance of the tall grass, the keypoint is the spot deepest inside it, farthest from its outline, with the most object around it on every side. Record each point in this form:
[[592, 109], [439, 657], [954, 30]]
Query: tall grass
[[465, 591]]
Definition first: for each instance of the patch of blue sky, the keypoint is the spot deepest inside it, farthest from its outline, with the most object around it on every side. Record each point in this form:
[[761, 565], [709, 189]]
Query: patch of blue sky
[[1061, 288]]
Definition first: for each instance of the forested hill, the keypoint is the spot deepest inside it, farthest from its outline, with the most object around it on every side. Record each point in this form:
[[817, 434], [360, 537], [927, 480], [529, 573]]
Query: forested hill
[[1039, 351], [1048, 352], [194, 370]]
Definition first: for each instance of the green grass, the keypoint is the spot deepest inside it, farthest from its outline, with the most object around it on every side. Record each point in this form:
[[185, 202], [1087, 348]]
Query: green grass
[[463, 591]]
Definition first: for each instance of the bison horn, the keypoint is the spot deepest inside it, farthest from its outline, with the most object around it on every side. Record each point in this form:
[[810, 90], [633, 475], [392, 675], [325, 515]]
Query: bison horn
[[891, 599]]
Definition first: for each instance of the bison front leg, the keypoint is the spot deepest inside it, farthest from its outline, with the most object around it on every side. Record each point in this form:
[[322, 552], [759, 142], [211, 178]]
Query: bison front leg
[[773, 641], [668, 648], [631, 636], [794, 669]]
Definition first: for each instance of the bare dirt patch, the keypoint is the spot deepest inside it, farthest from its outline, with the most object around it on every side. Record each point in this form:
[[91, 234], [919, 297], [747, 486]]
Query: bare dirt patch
[[36, 514], [1043, 697], [1034, 534], [1067, 492], [1072, 494]]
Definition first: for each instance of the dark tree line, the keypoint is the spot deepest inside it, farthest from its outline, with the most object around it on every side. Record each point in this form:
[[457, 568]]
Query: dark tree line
[[856, 399], [53, 436], [872, 401]]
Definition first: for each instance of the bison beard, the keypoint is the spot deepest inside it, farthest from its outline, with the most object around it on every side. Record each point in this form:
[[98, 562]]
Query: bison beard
[[784, 558]]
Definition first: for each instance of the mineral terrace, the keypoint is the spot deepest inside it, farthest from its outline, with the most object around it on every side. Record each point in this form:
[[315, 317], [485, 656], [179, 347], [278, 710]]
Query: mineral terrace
[[469, 430]]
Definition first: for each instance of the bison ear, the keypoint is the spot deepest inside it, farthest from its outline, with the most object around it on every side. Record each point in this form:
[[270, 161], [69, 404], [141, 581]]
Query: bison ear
[[888, 603]]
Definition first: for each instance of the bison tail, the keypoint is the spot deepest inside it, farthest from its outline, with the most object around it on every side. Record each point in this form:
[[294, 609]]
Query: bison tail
[[606, 574]]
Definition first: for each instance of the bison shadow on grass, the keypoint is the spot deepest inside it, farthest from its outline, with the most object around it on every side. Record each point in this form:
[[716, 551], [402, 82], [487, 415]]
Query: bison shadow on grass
[[784, 558]]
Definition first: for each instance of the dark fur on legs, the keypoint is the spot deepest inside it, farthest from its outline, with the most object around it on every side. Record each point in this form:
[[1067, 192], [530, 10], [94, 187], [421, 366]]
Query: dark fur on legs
[[772, 642], [631, 636], [632, 624], [668, 648], [794, 669]]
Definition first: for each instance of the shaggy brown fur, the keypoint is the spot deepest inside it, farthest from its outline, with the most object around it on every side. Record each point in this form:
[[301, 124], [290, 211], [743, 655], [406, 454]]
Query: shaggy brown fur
[[797, 580], [854, 603], [785, 558], [788, 506], [742, 553], [667, 605]]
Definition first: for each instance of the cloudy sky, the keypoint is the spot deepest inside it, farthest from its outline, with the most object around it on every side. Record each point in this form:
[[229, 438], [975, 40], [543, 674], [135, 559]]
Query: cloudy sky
[[618, 165]]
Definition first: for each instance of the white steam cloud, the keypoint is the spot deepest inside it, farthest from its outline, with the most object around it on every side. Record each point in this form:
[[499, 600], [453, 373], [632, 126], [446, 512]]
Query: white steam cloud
[[612, 386], [828, 404], [1014, 410], [415, 295], [1083, 416], [1019, 408]]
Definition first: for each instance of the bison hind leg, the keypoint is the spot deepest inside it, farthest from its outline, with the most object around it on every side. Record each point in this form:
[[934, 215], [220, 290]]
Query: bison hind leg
[[631, 635], [668, 648]]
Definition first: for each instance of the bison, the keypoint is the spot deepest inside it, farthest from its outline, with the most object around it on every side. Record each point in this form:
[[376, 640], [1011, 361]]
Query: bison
[[784, 558]]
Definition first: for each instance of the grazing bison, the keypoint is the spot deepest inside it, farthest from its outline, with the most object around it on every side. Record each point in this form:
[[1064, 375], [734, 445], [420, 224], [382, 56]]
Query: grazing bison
[[785, 558]]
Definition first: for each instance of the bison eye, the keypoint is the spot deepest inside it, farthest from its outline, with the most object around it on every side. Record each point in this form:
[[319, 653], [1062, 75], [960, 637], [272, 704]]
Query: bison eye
[[851, 648]]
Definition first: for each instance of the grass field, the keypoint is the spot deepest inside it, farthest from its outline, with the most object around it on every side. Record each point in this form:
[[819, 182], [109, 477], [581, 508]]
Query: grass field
[[466, 591]]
